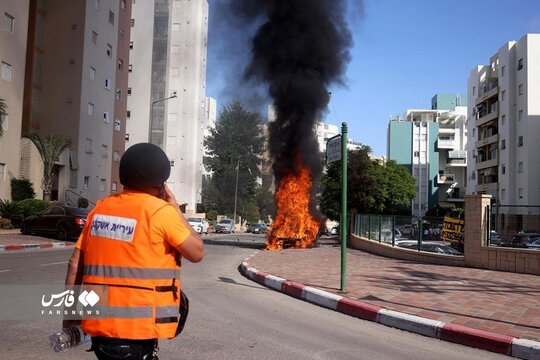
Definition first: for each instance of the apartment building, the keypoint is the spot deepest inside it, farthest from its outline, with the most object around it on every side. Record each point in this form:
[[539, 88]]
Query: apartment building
[[431, 144], [13, 37], [166, 95], [504, 123]]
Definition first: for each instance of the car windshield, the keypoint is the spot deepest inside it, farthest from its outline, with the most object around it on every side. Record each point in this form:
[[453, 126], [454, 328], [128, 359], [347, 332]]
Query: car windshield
[[227, 221], [194, 220]]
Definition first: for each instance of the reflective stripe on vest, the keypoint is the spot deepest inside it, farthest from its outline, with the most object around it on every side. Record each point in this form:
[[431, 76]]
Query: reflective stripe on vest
[[135, 312], [130, 272]]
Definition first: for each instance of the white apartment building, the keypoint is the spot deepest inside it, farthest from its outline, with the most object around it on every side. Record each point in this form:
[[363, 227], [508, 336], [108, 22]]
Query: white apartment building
[[71, 87], [504, 123], [167, 83], [210, 118], [13, 37]]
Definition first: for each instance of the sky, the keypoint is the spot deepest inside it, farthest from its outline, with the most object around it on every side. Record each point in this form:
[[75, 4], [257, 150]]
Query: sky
[[405, 51]]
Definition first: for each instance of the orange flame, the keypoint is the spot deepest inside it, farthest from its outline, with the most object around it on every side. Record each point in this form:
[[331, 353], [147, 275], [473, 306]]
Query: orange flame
[[294, 222]]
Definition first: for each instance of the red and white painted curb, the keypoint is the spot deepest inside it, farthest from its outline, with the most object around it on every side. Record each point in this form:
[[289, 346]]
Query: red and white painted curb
[[34, 246], [503, 344]]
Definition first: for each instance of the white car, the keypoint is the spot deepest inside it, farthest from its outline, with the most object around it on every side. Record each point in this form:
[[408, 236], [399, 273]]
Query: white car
[[200, 225]]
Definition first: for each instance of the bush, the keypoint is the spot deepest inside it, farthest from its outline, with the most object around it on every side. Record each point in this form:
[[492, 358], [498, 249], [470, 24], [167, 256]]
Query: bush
[[9, 209], [33, 206], [5, 224], [22, 189], [82, 203]]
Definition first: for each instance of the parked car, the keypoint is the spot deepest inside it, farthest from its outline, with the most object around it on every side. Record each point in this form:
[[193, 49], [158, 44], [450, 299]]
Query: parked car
[[434, 247], [200, 225], [520, 239], [63, 221], [386, 235], [533, 243], [495, 238], [334, 230], [406, 230], [225, 226], [257, 228]]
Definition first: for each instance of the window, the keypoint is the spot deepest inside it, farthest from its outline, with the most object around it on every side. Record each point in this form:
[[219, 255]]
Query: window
[[92, 74], [130, 67], [109, 50], [107, 83], [117, 124], [416, 154], [111, 17], [97, 4], [104, 151], [520, 167], [126, 137], [520, 89], [116, 156], [129, 91], [503, 144], [132, 22], [502, 70], [131, 45], [114, 186], [473, 175], [503, 194], [520, 115], [128, 114], [2, 171], [106, 117], [102, 185], [94, 37], [520, 193], [118, 94], [520, 64], [9, 23], [474, 90], [503, 119], [90, 109], [120, 64], [86, 182], [121, 35], [123, 4], [520, 141], [6, 71], [503, 95], [88, 146], [503, 169], [172, 163]]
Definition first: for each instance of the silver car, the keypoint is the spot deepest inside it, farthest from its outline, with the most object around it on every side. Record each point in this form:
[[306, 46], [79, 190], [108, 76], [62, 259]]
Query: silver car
[[225, 226]]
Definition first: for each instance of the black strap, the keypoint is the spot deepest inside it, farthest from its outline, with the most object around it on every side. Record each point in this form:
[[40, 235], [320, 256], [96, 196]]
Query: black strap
[[166, 320]]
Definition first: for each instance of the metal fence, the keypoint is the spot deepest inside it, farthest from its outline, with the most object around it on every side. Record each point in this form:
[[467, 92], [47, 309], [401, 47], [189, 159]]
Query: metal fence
[[513, 225], [408, 232]]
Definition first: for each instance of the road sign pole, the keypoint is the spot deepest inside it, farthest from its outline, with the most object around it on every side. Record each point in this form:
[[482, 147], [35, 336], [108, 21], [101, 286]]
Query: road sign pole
[[343, 224]]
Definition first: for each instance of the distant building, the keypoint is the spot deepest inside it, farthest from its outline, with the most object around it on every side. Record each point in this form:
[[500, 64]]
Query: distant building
[[431, 144], [167, 84], [504, 123]]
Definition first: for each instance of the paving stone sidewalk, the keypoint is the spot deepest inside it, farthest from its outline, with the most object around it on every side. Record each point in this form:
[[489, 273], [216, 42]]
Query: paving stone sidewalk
[[499, 302]]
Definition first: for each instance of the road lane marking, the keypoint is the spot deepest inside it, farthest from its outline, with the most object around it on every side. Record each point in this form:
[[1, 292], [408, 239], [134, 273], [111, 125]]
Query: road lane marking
[[55, 263], [1, 271]]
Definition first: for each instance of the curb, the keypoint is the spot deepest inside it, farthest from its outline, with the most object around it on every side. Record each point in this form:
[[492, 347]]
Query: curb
[[34, 246], [503, 344]]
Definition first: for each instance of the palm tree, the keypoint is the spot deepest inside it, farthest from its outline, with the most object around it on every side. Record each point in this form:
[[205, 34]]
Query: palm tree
[[3, 113], [50, 147]]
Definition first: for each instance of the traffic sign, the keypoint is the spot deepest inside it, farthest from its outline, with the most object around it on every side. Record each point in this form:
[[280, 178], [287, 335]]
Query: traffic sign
[[333, 149]]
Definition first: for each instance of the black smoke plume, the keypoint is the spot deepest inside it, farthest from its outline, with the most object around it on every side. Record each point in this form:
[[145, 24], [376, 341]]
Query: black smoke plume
[[300, 48]]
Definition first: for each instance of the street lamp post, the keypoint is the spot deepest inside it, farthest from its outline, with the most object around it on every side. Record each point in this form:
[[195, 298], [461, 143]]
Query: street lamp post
[[152, 114], [236, 191]]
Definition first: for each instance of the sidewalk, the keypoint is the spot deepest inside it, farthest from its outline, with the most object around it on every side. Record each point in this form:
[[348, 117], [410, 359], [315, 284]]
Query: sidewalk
[[11, 240], [489, 307]]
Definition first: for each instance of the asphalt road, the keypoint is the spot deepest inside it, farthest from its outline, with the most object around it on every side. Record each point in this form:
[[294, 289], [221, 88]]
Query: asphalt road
[[230, 317]]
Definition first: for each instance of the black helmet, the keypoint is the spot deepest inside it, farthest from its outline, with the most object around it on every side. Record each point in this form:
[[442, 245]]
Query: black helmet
[[144, 165]]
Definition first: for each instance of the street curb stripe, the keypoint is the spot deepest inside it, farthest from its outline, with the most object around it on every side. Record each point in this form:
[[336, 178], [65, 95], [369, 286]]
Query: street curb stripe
[[412, 323], [358, 309], [34, 246], [521, 348], [476, 338]]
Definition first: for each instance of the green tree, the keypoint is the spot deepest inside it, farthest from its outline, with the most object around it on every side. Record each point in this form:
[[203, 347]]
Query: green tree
[[50, 147], [3, 114], [372, 187], [22, 189], [234, 151], [266, 203]]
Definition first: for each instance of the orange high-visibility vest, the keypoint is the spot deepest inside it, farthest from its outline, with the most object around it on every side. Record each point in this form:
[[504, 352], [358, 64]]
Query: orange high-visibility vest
[[142, 279]]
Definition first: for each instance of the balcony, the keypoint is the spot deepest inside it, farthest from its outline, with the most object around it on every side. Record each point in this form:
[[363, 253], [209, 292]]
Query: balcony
[[487, 93], [487, 140], [445, 143], [487, 187], [485, 117], [455, 195], [486, 163], [446, 179]]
